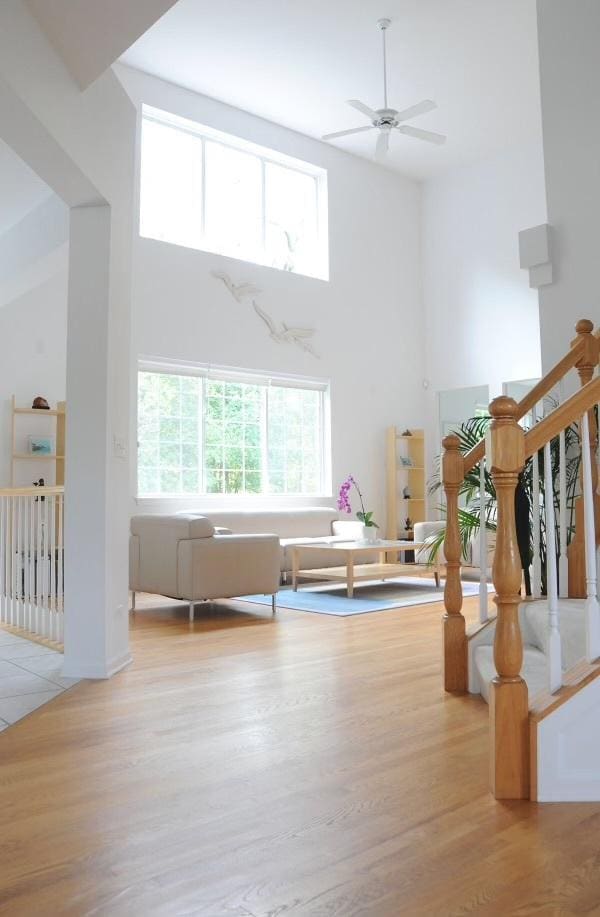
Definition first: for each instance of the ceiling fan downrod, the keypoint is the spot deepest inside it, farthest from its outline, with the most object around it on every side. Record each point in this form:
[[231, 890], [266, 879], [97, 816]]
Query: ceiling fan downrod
[[384, 25]]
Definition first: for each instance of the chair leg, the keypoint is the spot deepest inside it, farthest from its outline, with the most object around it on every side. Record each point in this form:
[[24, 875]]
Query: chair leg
[[274, 602], [192, 611], [132, 601]]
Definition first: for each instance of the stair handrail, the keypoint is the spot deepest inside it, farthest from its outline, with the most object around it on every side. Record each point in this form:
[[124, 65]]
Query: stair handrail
[[537, 393], [49, 490], [570, 411]]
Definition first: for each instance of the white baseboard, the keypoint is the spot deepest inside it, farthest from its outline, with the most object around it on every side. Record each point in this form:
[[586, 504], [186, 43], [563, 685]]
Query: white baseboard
[[93, 669]]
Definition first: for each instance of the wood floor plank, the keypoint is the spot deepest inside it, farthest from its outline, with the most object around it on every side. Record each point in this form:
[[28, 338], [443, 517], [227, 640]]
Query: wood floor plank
[[295, 766]]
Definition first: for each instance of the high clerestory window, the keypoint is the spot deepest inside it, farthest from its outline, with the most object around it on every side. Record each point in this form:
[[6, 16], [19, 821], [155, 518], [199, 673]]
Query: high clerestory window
[[208, 190], [207, 431]]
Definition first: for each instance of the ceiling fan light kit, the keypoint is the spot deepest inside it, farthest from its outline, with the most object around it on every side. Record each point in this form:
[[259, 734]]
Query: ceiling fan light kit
[[387, 119]]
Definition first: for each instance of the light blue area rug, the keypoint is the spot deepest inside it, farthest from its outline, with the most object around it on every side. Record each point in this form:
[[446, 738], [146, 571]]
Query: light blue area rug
[[368, 596]]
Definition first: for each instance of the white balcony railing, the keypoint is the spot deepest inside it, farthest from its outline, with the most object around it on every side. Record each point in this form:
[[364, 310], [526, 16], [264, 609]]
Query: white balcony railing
[[32, 560]]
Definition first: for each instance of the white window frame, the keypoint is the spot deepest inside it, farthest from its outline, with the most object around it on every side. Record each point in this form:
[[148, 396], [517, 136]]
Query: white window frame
[[265, 155], [209, 372]]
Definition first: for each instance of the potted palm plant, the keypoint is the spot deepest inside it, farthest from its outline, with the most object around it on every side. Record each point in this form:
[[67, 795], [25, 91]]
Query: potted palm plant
[[471, 513]]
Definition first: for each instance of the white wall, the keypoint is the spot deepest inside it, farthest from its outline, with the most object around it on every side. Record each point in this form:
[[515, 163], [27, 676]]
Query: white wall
[[482, 318], [33, 327], [368, 316], [569, 36], [83, 146]]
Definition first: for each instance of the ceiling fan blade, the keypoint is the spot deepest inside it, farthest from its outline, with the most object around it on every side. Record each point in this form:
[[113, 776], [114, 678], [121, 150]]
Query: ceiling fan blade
[[360, 106], [420, 108], [416, 132], [353, 130], [383, 145]]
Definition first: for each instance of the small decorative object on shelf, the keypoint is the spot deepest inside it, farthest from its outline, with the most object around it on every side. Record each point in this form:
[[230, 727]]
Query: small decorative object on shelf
[[408, 524], [369, 525], [41, 445], [406, 486], [40, 404]]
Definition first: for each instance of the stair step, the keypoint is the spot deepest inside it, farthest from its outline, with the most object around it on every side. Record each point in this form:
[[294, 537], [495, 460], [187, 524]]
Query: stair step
[[571, 616], [533, 671]]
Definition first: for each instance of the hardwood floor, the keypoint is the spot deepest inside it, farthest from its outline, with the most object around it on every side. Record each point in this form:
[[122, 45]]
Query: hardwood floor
[[303, 765]]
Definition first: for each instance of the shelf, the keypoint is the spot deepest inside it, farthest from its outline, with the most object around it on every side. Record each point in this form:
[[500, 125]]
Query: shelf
[[413, 499], [414, 436], [42, 412], [38, 458]]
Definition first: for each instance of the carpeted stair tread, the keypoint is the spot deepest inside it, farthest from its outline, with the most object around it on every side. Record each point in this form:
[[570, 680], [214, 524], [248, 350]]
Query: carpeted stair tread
[[571, 619], [533, 671]]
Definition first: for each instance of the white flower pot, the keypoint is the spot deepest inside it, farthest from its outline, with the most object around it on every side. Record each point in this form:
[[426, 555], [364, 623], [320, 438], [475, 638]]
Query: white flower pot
[[369, 533]]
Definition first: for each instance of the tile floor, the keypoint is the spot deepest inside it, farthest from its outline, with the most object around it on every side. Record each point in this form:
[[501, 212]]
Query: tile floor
[[30, 675]]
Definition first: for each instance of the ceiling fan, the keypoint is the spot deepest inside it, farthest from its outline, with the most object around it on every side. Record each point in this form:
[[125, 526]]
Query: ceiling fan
[[385, 119]]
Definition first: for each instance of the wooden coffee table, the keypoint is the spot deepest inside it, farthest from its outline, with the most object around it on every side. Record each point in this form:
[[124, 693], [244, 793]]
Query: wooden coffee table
[[350, 571]]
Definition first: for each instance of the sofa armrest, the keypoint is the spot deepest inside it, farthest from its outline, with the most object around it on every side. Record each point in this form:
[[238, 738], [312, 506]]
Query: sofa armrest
[[228, 565]]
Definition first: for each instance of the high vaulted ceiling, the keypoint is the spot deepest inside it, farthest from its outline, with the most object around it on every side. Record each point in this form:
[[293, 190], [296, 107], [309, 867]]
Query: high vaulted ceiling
[[90, 35], [296, 63]]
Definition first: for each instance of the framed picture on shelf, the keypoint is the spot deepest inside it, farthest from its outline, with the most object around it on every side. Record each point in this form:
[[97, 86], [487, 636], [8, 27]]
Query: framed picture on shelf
[[41, 445]]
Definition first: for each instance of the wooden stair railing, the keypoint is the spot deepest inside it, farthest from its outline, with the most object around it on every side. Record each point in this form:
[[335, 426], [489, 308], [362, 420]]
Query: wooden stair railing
[[576, 551], [509, 447], [509, 705], [454, 626], [583, 355]]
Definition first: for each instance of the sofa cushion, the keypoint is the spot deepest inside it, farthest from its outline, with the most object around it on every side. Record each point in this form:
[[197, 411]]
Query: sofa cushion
[[287, 523]]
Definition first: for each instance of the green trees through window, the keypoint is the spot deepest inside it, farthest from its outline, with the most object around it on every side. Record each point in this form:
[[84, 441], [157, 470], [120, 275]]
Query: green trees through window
[[204, 435]]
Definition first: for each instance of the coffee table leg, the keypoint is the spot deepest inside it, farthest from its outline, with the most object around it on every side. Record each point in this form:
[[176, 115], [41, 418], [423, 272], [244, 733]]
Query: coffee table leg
[[350, 576], [294, 570]]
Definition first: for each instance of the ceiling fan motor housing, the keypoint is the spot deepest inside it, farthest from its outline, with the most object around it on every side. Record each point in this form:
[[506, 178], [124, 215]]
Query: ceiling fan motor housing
[[386, 117]]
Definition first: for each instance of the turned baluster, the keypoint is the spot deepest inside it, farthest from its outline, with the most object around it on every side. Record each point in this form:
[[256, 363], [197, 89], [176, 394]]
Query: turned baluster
[[576, 551], [454, 631], [509, 714]]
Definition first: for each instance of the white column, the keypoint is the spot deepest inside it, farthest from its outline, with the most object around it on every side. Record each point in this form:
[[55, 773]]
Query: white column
[[96, 484]]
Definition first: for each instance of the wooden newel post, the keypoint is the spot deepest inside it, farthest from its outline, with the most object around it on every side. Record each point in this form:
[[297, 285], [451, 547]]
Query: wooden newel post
[[509, 712], [576, 550], [455, 640]]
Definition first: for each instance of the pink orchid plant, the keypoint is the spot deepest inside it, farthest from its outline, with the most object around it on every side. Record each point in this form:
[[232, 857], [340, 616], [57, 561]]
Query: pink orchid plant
[[345, 506]]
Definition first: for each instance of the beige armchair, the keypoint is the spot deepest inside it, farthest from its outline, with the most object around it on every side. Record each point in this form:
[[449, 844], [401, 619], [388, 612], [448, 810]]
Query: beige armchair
[[181, 556]]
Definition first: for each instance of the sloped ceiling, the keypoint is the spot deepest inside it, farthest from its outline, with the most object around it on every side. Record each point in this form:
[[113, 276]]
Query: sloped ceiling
[[297, 63], [21, 190], [90, 35]]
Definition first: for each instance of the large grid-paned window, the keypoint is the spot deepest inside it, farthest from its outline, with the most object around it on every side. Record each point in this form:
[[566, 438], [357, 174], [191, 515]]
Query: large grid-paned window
[[213, 433], [209, 190]]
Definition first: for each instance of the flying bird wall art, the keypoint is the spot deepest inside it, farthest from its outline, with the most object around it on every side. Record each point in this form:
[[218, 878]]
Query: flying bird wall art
[[281, 333]]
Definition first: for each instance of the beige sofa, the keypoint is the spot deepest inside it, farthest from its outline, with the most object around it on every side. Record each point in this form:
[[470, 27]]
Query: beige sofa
[[302, 525], [182, 556]]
